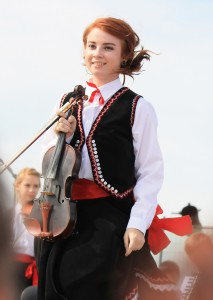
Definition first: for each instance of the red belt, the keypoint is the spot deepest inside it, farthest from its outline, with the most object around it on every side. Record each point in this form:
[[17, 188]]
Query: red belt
[[157, 239], [31, 270]]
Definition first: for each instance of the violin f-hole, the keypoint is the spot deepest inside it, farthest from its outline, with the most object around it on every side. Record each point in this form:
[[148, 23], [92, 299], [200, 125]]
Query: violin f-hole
[[58, 194]]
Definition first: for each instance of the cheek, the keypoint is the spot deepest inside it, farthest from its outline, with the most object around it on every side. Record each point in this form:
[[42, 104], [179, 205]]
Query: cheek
[[87, 57], [87, 62], [86, 54], [22, 191]]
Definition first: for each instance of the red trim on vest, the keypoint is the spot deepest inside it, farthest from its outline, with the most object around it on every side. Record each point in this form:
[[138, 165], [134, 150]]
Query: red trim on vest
[[31, 270]]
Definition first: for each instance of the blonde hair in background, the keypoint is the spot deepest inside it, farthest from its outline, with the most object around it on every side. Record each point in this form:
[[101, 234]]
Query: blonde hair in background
[[26, 171], [21, 175]]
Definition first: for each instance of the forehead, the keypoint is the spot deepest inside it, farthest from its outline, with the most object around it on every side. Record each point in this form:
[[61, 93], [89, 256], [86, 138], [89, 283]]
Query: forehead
[[97, 35], [32, 179]]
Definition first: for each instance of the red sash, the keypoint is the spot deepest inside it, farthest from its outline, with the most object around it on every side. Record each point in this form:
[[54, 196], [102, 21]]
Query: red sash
[[157, 239], [83, 189], [31, 270]]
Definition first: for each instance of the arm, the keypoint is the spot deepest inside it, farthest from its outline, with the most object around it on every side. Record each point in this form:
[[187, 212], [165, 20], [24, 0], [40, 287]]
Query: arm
[[148, 172]]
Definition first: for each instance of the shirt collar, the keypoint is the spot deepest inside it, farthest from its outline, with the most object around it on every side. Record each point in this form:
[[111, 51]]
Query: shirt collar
[[107, 90]]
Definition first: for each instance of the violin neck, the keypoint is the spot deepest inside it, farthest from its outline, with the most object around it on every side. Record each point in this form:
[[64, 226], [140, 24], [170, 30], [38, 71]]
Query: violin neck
[[54, 162]]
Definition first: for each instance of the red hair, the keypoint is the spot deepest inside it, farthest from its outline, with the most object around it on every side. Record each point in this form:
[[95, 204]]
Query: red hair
[[130, 40]]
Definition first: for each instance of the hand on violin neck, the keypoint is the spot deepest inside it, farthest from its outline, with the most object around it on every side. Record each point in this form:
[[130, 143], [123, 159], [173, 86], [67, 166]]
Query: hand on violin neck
[[65, 125]]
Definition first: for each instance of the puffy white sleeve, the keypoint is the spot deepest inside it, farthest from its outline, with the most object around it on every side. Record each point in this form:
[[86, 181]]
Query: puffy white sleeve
[[148, 166]]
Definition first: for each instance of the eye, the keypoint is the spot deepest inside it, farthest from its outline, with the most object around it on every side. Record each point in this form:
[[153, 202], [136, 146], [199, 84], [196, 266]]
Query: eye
[[91, 46], [109, 48]]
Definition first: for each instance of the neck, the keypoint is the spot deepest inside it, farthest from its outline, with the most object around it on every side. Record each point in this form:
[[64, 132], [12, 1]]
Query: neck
[[101, 81]]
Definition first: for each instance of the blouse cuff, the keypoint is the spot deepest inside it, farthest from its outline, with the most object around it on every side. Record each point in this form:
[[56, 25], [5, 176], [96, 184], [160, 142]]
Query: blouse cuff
[[139, 224]]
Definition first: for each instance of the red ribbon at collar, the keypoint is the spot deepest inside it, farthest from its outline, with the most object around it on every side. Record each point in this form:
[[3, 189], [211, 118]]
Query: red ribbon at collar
[[157, 238], [91, 99]]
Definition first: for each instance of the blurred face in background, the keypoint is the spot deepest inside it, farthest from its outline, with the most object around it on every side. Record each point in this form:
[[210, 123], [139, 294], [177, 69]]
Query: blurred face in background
[[27, 189]]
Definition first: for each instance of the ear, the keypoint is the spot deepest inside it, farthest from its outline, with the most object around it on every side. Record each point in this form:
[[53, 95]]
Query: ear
[[123, 63]]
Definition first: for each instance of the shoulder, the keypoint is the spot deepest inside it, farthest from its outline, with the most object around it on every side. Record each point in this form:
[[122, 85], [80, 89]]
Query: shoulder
[[146, 110], [17, 208], [142, 103]]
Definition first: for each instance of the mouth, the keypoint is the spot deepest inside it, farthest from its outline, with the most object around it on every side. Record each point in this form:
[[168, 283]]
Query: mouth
[[98, 63]]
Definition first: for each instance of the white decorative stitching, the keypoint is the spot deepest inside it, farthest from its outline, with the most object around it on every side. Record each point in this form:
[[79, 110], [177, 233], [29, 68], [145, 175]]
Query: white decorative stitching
[[161, 287]]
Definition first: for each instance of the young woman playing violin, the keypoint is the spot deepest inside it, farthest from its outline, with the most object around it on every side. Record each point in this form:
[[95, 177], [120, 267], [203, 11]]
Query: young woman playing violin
[[120, 176]]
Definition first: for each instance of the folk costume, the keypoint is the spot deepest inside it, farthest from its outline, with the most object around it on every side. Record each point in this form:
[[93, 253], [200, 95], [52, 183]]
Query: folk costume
[[25, 270], [119, 179]]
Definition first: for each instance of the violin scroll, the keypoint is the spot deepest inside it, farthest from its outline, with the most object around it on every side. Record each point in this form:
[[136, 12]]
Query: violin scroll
[[73, 98]]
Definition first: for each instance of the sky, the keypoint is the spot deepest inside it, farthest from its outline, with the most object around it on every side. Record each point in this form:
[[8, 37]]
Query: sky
[[41, 59]]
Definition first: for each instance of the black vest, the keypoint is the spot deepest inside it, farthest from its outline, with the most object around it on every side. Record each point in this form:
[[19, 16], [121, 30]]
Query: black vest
[[110, 143]]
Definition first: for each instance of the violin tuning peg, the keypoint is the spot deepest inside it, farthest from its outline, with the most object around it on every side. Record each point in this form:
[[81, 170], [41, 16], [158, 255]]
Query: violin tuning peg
[[85, 97]]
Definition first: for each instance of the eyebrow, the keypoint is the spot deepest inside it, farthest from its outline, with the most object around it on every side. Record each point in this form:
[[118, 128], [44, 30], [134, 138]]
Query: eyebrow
[[105, 44]]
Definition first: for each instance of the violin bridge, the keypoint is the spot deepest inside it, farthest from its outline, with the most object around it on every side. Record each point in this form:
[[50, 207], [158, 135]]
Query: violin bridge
[[47, 193]]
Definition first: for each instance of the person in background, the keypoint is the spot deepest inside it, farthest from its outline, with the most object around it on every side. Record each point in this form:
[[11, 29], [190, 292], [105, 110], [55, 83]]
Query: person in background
[[199, 249], [193, 212], [26, 186], [171, 270]]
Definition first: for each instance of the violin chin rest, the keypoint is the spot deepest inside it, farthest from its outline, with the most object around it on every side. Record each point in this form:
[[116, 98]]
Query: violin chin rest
[[32, 226]]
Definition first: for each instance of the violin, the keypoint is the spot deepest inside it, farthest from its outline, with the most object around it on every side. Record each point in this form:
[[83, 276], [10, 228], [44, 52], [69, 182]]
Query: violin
[[53, 215]]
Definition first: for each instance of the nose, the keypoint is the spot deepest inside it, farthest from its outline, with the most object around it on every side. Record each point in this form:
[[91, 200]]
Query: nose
[[33, 189], [98, 52]]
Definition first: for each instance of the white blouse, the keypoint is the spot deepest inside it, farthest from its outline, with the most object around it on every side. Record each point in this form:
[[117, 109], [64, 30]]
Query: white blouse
[[23, 241], [148, 157]]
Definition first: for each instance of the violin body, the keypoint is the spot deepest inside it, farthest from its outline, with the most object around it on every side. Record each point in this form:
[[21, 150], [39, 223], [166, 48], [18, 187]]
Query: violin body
[[53, 215], [60, 212]]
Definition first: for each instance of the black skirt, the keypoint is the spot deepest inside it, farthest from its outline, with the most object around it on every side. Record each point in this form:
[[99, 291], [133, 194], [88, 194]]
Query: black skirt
[[92, 265]]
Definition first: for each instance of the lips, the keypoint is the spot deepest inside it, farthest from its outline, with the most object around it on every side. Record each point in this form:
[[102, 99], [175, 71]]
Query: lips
[[98, 64]]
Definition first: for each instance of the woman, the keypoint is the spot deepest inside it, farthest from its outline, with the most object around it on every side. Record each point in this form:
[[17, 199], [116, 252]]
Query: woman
[[120, 176], [27, 184], [199, 249]]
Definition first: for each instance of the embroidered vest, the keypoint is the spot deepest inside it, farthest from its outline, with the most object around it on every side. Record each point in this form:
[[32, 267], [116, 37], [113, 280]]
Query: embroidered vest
[[110, 143]]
